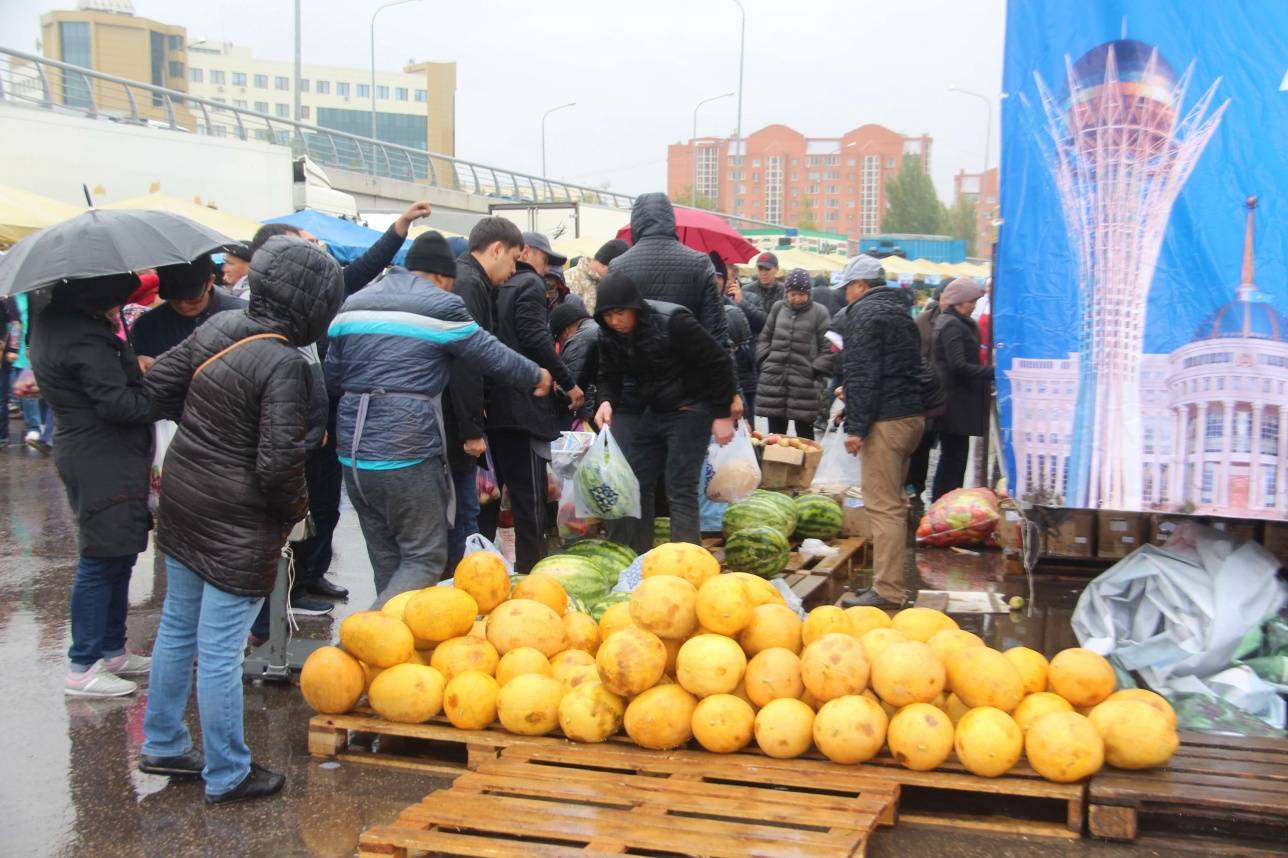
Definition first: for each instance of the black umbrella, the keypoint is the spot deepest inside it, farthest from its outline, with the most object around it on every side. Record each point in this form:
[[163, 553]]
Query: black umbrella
[[102, 242]]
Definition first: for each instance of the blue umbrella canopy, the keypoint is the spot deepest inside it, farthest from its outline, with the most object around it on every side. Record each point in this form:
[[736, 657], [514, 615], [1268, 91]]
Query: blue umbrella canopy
[[344, 239]]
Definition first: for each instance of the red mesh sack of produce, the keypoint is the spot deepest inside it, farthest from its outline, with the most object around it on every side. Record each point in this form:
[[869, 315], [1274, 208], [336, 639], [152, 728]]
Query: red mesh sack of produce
[[961, 517]]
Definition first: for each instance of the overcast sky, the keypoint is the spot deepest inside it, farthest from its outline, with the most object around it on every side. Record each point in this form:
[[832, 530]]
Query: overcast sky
[[636, 69]]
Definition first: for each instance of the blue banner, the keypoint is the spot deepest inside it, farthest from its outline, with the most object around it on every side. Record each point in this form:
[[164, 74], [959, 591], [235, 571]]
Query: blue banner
[[1141, 302]]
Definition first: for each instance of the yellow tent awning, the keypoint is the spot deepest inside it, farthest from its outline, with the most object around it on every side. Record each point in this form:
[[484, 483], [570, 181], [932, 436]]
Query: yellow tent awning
[[585, 245], [417, 231], [237, 228], [22, 213], [815, 263]]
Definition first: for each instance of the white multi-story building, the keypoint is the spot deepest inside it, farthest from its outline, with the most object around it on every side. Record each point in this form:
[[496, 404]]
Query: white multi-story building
[[414, 107]]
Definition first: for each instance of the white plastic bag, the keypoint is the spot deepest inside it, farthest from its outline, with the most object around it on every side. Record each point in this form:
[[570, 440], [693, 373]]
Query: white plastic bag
[[567, 451], [479, 542], [837, 469], [606, 485], [571, 525], [163, 432], [736, 472]]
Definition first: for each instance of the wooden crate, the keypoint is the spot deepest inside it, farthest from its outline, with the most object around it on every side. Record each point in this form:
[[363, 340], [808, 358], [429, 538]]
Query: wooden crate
[[609, 799], [1231, 784]]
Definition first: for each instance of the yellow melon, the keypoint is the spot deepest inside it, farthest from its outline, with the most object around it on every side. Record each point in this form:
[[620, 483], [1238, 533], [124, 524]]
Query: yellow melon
[[723, 723], [479, 629], [469, 700], [693, 563], [582, 631], [580, 675], [825, 620], [521, 660], [368, 673], [526, 623], [542, 588], [876, 640], [1082, 677], [1034, 706], [568, 661], [946, 642], [661, 718], [981, 676], [771, 626], [773, 673], [1032, 666], [955, 708], [459, 655], [672, 653], [850, 729], [724, 606], [741, 692], [1137, 735], [482, 574], [631, 661], [760, 591], [1149, 698], [529, 704], [784, 728], [407, 693], [710, 664], [1064, 747], [439, 613], [834, 666], [907, 672], [398, 603], [590, 713], [988, 741], [665, 605], [422, 656], [376, 638], [616, 618], [331, 680], [920, 737], [865, 618], [919, 624]]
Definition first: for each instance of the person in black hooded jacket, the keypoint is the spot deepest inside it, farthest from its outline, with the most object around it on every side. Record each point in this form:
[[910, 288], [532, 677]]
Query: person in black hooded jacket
[[683, 379], [232, 489]]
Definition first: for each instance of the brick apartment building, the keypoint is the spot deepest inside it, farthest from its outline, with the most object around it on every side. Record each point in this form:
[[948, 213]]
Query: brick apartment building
[[982, 190], [782, 173]]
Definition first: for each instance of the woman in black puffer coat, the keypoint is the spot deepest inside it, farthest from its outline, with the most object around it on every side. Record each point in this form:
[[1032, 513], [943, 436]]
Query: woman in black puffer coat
[[955, 351], [231, 491], [795, 358]]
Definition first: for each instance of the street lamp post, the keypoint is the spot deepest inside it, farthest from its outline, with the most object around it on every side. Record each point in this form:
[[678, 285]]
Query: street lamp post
[[742, 51], [693, 197], [379, 9], [988, 129], [543, 133]]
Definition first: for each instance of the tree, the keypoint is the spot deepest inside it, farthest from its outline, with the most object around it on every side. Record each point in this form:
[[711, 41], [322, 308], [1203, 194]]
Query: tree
[[686, 197], [961, 220], [805, 215], [912, 206]]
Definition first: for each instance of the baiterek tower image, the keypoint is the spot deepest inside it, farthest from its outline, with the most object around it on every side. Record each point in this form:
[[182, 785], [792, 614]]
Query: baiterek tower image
[[1119, 149]]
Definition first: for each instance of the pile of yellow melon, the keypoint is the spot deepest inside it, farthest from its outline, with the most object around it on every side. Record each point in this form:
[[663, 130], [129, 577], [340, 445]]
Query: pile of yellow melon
[[720, 658]]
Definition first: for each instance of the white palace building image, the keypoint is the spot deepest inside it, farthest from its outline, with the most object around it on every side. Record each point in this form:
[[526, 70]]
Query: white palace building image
[[1214, 432]]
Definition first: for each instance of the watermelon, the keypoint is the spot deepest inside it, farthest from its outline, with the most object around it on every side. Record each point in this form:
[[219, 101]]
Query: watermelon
[[606, 485], [610, 557], [780, 500], [758, 550], [817, 517], [661, 531], [580, 577], [596, 609], [754, 513]]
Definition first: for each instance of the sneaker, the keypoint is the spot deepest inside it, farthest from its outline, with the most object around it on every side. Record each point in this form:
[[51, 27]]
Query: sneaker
[[258, 783], [32, 439], [307, 607], [181, 766], [128, 664], [97, 682]]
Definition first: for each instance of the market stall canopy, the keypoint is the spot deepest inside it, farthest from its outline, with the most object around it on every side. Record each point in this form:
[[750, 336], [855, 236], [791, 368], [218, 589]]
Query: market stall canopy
[[22, 213], [792, 257], [458, 243], [705, 232], [583, 245], [344, 239], [238, 228]]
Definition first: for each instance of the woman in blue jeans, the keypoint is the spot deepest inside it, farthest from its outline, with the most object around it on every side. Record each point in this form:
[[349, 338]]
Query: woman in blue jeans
[[231, 490]]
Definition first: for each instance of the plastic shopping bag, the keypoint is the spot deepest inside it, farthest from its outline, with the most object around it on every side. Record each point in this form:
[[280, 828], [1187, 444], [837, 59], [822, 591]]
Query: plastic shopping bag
[[485, 481], [567, 451], [838, 470], [479, 542], [571, 525], [163, 432], [606, 487], [735, 472], [25, 385], [961, 517]]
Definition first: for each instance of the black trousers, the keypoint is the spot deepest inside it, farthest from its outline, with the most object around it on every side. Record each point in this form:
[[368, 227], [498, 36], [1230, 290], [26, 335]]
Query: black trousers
[[778, 426], [523, 472], [954, 450], [919, 464]]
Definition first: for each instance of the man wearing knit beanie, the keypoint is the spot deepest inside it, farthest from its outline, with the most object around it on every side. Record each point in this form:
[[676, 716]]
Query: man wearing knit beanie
[[583, 277], [430, 254]]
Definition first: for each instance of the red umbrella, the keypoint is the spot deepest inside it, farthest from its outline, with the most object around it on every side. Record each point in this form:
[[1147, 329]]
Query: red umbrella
[[706, 232]]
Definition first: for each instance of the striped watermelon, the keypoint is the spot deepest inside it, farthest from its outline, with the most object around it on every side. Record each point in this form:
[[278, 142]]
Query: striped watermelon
[[610, 557], [596, 609], [780, 500], [817, 517], [581, 577], [761, 551], [754, 512], [661, 531]]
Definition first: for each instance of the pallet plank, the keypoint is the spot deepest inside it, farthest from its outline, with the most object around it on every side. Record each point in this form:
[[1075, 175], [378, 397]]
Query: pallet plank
[[387, 837]]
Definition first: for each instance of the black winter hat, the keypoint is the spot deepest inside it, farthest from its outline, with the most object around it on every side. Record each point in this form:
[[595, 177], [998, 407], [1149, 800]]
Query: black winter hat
[[185, 280], [610, 250], [431, 253], [617, 291], [564, 315]]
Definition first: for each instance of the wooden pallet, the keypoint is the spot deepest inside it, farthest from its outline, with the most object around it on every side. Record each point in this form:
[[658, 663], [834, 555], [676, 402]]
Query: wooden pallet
[[1020, 802], [608, 799], [1231, 784]]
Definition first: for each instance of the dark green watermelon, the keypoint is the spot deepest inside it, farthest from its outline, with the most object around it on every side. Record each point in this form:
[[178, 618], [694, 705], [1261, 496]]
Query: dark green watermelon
[[760, 550]]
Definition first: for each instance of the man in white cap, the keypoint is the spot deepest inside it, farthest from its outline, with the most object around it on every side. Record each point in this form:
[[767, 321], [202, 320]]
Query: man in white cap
[[883, 415]]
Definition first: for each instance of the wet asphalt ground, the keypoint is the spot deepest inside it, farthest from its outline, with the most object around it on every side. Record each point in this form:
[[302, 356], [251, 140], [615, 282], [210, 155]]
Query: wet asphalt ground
[[69, 784]]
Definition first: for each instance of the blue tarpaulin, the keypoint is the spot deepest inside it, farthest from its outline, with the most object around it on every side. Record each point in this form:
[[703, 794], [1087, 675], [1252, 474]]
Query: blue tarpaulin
[[344, 239]]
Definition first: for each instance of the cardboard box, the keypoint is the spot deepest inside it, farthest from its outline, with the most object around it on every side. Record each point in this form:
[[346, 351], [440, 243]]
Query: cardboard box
[[1067, 532], [1010, 530], [1240, 530], [788, 467], [1119, 533], [854, 515], [1275, 540]]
